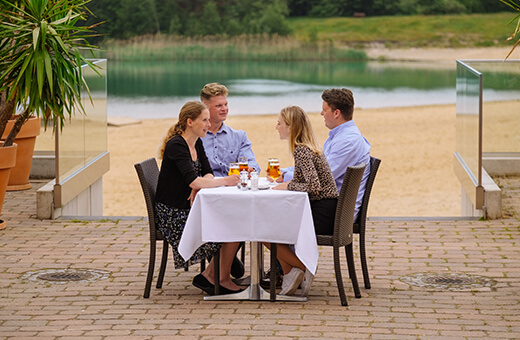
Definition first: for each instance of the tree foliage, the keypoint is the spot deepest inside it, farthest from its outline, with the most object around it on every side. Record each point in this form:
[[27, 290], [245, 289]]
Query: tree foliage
[[127, 18]]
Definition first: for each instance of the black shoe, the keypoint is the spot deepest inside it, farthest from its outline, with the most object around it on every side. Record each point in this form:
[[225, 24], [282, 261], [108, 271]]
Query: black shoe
[[201, 282], [237, 268], [225, 291]]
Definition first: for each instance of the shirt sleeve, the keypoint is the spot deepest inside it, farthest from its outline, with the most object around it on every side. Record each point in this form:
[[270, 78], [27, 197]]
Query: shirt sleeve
[[288, 173], [306, 177], [340, 156], [247, 151]]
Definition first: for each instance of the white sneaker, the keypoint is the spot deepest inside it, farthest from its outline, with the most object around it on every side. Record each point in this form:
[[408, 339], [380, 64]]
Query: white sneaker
[[306, 282], [291, 281]]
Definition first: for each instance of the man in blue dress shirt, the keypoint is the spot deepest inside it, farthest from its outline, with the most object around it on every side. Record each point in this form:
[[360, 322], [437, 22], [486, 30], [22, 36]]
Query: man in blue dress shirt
[[222, 143], [345, 146]]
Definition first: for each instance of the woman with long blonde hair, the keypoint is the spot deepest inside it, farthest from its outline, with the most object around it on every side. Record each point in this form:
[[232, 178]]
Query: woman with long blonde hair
[[312, 174], [185, 169]]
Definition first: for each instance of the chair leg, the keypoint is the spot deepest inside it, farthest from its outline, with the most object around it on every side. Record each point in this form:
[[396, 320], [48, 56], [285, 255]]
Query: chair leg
[[164, 260], [151, 267], [363, 256], [243, 252], [352, 269], [339, 279], [272, 278], [216, 264]]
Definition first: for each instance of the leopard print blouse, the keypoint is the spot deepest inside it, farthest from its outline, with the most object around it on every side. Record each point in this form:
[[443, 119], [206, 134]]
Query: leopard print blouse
[[312, 174]]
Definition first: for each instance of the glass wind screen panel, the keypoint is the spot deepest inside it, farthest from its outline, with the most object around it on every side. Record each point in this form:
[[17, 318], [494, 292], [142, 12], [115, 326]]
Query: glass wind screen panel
[[84, 136], [501, 108], [467, 120], [96, 118]]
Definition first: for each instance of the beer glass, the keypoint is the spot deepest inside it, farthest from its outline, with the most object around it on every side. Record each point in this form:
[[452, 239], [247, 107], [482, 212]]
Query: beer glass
[[234, 169], [243, 164], [273, 168]]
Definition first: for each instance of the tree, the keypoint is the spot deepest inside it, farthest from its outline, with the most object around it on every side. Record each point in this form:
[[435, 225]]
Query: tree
[[273, 20], [209, 23]]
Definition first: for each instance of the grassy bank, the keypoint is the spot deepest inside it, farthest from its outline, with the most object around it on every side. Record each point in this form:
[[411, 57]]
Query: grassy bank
[[465, 30], [324, 39]]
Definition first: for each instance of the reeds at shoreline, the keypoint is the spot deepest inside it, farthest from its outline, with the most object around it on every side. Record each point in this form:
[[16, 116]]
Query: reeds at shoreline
[[244, 47]]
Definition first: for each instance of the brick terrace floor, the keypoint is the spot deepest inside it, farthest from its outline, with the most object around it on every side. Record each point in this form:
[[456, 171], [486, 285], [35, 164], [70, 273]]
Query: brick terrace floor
[[113, 307]]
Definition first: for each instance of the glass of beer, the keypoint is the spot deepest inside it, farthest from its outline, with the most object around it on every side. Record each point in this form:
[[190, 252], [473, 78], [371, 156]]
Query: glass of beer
[[273, 168], [243, 164], [234, 169]]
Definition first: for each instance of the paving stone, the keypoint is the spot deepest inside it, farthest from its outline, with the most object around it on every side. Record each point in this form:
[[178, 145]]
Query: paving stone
[[114, 307]]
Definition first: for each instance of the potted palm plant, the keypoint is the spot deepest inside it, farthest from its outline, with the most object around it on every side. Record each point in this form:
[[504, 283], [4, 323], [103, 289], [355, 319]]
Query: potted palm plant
[[41, 54], [514, 4]]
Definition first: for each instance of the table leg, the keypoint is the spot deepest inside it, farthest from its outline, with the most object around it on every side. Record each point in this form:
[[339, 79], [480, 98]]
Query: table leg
[[254, 292]]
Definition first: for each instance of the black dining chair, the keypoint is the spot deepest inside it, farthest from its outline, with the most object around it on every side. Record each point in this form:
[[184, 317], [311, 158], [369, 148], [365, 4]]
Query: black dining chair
[[360, 223], [343, 228], [148, 173]]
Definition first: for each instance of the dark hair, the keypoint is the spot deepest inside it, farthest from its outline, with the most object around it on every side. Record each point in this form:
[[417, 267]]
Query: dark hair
[[340, 99]]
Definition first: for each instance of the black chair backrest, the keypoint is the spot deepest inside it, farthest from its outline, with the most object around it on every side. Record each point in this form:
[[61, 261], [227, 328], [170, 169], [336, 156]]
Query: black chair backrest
[[343, 223], [148, 173], [362, 215]]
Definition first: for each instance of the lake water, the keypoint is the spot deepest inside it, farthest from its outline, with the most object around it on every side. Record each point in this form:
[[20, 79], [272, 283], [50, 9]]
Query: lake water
[[149, 90]]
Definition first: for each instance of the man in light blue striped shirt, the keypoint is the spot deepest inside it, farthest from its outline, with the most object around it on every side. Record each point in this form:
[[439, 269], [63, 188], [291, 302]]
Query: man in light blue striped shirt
[[345, 146], [222, 143]]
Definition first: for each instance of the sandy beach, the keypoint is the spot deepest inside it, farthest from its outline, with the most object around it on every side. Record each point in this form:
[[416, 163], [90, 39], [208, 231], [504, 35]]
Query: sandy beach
[[415, 178], [416, 145]]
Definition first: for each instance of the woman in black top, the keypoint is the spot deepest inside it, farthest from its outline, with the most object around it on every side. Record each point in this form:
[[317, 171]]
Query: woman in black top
[[185, 169]]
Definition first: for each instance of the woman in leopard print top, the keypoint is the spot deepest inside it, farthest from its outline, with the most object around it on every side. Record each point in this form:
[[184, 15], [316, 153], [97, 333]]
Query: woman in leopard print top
[[312, 174]]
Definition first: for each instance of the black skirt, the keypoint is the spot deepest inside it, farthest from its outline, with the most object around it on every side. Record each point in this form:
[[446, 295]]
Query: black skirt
[[323, 215]]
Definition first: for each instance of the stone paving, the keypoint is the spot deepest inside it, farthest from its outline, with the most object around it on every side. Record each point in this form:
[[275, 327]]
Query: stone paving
[[402, 303]]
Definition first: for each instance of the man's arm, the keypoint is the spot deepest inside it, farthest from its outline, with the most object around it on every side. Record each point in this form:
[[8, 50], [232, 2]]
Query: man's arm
[[247, 151]]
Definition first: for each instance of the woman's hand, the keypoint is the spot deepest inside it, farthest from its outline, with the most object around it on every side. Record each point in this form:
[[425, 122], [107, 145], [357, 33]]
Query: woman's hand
[[282, 186], [192, 196], [278, 180], [231, 180]]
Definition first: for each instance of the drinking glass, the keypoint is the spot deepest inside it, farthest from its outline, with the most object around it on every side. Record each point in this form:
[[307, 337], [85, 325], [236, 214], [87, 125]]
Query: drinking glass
[[243, 164], [273, 168], [234, 169]]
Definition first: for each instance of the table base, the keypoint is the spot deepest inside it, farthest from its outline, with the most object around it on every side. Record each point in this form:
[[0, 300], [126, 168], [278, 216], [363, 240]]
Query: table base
[[250, 294], [254, 291]]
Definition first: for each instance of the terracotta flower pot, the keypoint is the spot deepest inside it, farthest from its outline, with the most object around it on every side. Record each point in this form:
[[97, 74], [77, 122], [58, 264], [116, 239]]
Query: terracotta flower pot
[[26, 138], [7, 162]]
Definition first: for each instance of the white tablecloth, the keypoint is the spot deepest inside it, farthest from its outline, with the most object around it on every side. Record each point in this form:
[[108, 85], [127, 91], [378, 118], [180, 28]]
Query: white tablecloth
[[228, 214]]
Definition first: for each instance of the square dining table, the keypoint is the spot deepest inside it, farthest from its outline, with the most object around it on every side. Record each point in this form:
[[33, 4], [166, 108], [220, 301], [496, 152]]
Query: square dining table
[[229, 214]]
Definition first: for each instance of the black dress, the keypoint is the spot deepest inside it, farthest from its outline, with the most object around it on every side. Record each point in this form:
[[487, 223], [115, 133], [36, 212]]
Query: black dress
[[172, 207]]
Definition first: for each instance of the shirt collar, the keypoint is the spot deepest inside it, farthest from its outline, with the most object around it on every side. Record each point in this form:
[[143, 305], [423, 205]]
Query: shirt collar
[[341, 127], [223, 129]]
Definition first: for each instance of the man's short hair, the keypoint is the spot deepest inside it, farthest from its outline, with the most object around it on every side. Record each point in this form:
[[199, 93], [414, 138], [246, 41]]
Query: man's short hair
[[340, 99], [212, 90]]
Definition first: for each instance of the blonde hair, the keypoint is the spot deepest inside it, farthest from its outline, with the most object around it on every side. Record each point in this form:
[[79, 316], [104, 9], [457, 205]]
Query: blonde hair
[[212, 90], [300, 131], [190, 110]]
